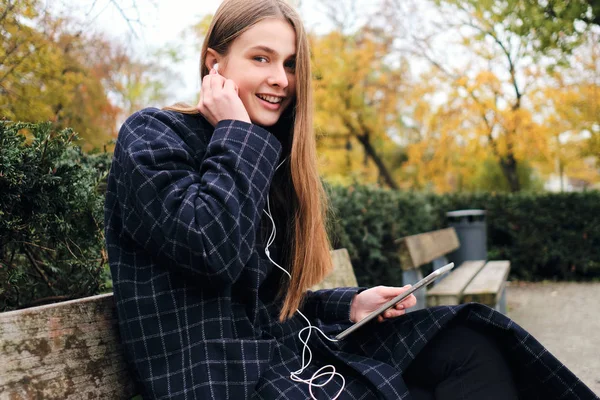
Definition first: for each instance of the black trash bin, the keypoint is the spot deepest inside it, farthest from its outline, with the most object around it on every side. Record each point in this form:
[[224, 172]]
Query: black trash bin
[[471, 229]]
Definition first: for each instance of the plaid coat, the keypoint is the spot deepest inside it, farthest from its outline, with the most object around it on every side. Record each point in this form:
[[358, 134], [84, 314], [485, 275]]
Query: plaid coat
[[197, 297]]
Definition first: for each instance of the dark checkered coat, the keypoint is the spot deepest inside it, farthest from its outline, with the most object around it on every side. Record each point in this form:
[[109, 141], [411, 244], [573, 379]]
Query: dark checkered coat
[[197, 298]]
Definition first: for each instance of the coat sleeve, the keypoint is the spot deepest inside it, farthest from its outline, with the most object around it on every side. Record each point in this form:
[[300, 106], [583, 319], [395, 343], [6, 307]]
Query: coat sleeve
[[199, 210], [330, 305]]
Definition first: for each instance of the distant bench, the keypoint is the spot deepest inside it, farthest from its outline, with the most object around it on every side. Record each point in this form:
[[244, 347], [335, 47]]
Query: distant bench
[[478, 281]]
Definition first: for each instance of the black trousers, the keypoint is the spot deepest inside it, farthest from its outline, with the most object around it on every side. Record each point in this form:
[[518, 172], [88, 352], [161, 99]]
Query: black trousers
[[460, 363]]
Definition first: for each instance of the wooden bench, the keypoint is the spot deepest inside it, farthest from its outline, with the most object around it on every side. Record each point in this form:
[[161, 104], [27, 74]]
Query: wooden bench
[[472, 281], [72, 350], [342, 274], [68, 350]]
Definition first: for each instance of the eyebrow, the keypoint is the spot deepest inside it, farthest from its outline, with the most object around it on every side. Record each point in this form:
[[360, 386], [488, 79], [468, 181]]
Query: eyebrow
[[269, 50]]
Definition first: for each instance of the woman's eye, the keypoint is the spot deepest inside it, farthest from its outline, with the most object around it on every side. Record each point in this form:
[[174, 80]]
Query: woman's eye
[[290, 65], [261, 59]]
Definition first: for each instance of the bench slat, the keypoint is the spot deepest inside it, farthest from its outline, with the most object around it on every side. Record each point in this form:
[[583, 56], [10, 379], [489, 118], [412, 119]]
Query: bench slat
[[342, 274], [487, 286], [69, 350], [450, 289], [417, 250]]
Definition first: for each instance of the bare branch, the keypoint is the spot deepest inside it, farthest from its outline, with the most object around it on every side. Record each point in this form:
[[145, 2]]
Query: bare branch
[[38, 269], [509, 58], [7, 10], [129, 21], [15, 65]]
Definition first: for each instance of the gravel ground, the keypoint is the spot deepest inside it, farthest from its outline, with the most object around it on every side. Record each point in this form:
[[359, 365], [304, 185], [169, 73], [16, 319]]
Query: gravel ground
[[565, 318]]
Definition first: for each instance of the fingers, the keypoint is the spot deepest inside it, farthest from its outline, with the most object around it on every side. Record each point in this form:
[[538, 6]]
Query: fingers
[[216, 98], [391, 291], [211, 83], [216, 86], [399, 309], [205, 89], [393, 313], [408, 302], [216, 81], [230, 85]]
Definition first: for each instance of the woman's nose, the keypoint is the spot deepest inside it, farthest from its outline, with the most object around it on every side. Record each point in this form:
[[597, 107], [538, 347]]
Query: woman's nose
[[278, 77]]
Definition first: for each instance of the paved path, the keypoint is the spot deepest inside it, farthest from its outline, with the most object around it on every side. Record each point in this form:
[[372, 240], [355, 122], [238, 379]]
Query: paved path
[[565, 318]]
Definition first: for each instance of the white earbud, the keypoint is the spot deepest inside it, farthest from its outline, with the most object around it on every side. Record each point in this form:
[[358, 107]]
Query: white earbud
[[216, 67]]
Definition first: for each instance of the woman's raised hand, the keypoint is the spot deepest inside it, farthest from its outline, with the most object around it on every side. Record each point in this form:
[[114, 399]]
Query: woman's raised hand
[[370, 300], [219, 100]]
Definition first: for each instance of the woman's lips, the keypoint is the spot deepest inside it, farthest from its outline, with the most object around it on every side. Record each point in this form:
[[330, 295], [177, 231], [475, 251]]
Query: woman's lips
[[269, 106]]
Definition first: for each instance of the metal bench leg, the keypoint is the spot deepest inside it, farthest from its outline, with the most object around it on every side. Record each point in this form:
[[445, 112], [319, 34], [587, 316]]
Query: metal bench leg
[[410, 278], [439, 263], [501, 306]]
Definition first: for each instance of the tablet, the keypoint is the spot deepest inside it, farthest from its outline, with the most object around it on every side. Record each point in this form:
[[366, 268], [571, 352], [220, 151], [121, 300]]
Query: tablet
[[422, 283]]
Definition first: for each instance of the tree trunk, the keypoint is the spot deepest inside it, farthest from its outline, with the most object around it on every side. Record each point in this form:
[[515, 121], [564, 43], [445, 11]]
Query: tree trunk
[[509, 169], [370, 152]]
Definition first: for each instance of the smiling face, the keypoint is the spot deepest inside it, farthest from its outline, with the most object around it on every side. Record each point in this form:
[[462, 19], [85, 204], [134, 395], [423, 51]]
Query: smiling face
[[261, 62]]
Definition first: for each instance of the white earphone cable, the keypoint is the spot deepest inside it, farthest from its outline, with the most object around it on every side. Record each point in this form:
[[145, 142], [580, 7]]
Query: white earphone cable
[[295, 376]]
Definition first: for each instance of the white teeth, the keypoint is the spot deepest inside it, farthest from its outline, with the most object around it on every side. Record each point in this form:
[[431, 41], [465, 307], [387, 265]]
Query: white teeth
[[270, 99]]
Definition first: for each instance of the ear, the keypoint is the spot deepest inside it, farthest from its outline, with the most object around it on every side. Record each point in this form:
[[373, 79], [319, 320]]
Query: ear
[[212, 57]]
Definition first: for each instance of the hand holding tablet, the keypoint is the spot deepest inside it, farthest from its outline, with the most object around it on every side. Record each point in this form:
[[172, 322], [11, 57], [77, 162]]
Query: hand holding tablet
[[422, 283]]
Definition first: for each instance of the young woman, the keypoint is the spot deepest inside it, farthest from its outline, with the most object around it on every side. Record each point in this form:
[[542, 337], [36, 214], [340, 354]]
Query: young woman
[[215, 231]]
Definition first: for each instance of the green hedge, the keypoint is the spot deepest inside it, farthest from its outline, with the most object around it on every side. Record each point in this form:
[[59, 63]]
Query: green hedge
[[367, 221], [51, 216], [553, 236], [51, 223], [545, 236]]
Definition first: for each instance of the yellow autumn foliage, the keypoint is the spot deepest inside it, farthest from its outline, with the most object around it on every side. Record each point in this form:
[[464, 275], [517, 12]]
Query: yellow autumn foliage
[[357, 86]]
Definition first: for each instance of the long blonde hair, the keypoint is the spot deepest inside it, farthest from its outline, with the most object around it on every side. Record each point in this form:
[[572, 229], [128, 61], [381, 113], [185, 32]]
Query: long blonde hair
[[307, 251]]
